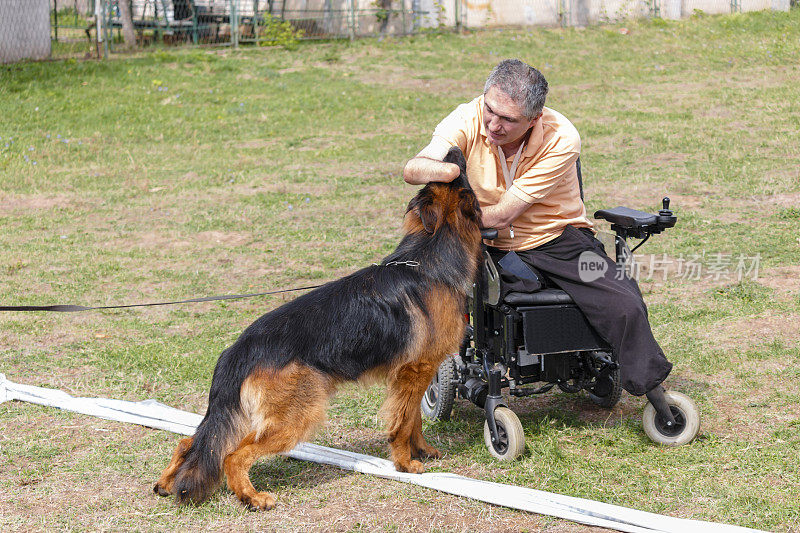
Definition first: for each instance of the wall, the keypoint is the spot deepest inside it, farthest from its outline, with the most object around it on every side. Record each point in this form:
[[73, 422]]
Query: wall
[[24, 30]]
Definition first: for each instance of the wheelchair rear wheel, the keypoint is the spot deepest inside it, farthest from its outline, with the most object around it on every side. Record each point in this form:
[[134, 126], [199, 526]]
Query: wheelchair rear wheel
[[687, 421], [511, 443], [606, 393], [437, 403]]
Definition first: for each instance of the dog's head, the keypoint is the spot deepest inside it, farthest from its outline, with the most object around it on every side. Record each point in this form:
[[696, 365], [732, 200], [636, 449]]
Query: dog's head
[[452, 203]]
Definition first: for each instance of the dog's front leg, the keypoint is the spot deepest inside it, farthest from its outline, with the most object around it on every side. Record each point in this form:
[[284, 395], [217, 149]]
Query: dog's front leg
[[404, 422], [419, 446]]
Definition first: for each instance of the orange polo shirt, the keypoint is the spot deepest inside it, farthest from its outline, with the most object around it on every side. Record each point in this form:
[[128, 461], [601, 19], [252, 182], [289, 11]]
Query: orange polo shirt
[[546, 176]]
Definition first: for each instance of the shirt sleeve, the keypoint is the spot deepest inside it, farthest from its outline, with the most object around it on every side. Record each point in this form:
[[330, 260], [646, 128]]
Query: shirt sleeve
[[453, 130], [544, 176]]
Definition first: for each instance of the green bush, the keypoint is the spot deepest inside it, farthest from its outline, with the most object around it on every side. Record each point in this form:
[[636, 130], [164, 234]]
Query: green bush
[[277, 32]]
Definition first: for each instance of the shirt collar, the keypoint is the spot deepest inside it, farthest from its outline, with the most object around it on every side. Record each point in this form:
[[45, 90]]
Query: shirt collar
[[534, 140]]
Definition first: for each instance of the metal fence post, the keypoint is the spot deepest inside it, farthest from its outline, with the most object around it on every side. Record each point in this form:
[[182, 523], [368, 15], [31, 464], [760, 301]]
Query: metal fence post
[[655, 9], [351, 18], [103, 27], [55, 15], [234, 21]]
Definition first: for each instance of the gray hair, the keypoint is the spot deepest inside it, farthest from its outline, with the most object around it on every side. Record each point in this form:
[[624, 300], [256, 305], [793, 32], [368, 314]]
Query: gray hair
[[524, 84]]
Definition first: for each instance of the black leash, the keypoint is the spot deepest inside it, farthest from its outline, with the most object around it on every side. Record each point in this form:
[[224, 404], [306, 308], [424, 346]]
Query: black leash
[[68, 308]]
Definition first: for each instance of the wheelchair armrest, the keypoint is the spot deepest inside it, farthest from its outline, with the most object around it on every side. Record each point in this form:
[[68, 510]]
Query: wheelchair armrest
[[626, 217], [627, 222], [488, 233]]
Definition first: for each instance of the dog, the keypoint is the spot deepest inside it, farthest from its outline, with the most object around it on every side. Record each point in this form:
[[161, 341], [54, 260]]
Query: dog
[[397, 320]]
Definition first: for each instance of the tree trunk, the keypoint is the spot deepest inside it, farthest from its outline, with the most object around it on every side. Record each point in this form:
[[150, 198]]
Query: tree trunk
[[128, 34]]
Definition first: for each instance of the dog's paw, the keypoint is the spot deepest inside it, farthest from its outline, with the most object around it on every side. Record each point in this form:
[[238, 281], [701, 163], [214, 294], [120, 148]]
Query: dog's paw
[[260, 501], [428, 452], [412, 467]]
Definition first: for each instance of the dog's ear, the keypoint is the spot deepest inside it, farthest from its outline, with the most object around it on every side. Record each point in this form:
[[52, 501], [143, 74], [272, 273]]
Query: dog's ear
[[429, 212], [468, 204], [430, 215]]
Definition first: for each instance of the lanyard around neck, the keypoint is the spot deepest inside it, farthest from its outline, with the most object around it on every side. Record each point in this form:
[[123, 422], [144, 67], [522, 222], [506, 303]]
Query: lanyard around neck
[[509, 173]]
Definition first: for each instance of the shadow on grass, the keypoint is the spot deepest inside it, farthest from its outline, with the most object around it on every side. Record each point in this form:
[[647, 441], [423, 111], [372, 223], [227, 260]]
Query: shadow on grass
[[281, 474]]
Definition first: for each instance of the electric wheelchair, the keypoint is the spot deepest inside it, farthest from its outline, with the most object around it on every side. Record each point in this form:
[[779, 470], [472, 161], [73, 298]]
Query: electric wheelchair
[[530, 342]]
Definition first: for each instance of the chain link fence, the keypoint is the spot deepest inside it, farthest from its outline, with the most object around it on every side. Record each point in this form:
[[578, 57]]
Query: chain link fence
[[38, 29]]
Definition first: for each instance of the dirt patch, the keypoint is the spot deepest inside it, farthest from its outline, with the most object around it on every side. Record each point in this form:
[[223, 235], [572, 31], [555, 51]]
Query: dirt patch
[[49, 332], [784, 279], [10, 202], [738, 333], [167, 240], [751, 399], [225, 238], [405, 79], [287, 187], [758, 78], [255, 144], [783, 200], [717, 112], [645, 197]]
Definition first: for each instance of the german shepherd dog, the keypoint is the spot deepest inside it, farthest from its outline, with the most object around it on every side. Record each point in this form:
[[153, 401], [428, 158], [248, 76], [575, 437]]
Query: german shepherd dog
[[397, 320]]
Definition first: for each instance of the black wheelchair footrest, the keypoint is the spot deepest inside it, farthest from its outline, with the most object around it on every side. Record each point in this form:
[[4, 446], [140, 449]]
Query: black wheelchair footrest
[[542, 297]]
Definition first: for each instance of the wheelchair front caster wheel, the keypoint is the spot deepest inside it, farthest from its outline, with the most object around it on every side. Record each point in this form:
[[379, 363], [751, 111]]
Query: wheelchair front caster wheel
[[511, 442], [437, 403], [687, 421]]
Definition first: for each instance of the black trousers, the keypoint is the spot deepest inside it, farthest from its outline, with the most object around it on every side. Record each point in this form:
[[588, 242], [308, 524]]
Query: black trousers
[[612, 303]]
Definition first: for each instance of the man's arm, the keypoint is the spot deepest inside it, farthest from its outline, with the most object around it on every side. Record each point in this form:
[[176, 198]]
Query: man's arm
[[503, 213], [421, 170]]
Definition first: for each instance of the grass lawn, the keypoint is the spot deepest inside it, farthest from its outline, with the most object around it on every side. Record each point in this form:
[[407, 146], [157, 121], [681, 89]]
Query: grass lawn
[[192, 172]]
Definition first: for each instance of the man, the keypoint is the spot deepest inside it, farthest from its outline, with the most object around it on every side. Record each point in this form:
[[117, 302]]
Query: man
[[521, 162]]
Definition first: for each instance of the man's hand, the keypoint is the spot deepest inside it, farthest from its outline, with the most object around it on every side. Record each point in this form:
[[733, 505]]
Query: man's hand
[[422, 170]]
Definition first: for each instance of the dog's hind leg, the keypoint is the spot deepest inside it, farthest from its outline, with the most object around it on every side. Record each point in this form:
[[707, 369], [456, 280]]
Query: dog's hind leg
[[163, 486], [285, 407]]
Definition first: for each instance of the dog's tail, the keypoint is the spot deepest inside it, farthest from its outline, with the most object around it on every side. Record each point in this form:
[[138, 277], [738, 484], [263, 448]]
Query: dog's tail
[[219, 434]]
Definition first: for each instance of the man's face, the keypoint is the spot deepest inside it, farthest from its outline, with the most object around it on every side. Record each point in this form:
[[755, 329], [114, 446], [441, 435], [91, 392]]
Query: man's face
[[504, 120]]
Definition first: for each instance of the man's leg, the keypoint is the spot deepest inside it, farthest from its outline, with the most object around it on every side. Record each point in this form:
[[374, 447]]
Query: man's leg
[[612, 304]]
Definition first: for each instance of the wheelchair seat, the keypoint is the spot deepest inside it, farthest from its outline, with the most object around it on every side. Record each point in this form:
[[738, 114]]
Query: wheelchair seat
[[540, 297], [519, 293]]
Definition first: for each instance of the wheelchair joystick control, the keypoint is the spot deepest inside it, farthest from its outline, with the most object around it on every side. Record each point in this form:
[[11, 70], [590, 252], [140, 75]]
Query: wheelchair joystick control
[[666, 218], [665, 207]]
